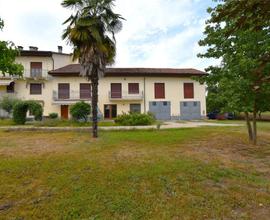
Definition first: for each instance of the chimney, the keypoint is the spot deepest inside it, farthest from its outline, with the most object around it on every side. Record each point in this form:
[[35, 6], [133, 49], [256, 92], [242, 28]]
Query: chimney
[[20, 47], [32, 48], [60, 49]]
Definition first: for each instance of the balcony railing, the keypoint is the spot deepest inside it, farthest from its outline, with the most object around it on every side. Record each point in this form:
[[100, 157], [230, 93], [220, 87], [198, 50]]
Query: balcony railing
[[35, 73], [124, 95], [71, 96]]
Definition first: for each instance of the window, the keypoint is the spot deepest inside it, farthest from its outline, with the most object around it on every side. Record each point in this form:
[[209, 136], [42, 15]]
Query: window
[[133, 88], [10, 87], [35, 89], [188, 90], [159, 90], [185, 104], [195, 104], [154, 103], [63, 90], [85, 91], [36, 69], [116, 90], [135, 108], [165, 103]]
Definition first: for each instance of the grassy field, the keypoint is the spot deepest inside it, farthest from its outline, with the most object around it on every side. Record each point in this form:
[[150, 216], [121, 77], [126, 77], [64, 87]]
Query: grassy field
[[56, 123], [196, 173]]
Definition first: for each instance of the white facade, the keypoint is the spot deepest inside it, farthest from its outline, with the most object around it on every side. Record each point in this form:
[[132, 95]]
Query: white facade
[[174, 89]]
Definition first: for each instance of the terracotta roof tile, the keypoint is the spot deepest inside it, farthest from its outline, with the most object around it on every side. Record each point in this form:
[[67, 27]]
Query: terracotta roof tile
[[74, 70]]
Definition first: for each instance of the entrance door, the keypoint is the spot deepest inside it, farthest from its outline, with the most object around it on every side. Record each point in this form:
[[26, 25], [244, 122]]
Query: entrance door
[[110, 111], [64, 111]]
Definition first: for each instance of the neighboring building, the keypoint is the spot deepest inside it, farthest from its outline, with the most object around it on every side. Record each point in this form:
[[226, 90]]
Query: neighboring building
[[53, 80]]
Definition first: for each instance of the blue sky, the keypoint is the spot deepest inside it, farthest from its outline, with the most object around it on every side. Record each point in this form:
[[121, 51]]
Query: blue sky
[[156, 33]]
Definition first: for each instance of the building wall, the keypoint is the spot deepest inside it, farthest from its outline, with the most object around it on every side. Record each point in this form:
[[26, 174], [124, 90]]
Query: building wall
[[174, 91]]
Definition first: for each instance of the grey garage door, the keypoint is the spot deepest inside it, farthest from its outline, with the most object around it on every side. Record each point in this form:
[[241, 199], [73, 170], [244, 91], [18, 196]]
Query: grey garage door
[[161, 110], [190, 110]]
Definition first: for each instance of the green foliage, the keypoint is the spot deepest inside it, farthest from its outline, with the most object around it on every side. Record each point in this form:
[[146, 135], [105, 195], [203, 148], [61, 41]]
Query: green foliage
[[19, 113], [53, 115], [242, 81], [80, 111], [7, 103], [36, 109], [133, 119], [22, 107], [8, 53]]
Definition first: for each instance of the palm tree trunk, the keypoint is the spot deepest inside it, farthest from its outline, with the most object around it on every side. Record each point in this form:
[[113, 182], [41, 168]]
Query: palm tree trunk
[[94, 80]]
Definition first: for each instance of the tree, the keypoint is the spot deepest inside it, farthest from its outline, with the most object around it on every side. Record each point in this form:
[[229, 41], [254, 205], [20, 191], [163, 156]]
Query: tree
[[7, 103], [236, 36], [91, 30], [8, 53]]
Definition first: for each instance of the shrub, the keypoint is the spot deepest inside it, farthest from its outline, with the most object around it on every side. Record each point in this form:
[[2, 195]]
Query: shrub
[[19, 113], [21, 108], [133, 119], [53, 115], [7, 103], [36, 109], [80, 111]]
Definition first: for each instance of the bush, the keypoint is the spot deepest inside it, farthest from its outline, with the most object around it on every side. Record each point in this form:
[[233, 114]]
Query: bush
[[7, 103], [21, 108], [133, 119], [80, 111], [19, 113], [53, 115], [36, 109]]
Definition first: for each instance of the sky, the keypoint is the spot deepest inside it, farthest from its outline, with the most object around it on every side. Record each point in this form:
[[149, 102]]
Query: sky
[[156, 33]]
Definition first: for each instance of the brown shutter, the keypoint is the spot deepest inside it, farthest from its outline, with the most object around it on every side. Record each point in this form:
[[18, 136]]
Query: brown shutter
[[36, 69], [159, 90], [63, 90], [116, 90], [133, 88], [35, 89], [188, 90], [85, 90]]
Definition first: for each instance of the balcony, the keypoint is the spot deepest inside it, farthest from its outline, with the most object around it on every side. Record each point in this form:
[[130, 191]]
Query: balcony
[[70, 97], [125, 96], [35, 73]]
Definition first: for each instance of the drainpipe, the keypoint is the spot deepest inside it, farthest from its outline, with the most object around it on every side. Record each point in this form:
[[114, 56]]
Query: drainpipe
[[144, 101]]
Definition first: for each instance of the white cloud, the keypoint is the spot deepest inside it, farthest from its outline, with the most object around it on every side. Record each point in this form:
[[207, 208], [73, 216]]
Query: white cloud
[[156, 33]]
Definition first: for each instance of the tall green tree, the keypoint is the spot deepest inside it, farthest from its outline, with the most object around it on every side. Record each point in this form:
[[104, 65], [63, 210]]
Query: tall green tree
[[91, 30], [236, 34], [8, 53]]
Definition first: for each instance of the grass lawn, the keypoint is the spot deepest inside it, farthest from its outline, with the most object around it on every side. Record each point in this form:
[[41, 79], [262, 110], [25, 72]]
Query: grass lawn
[[56, 123], [195, 173]]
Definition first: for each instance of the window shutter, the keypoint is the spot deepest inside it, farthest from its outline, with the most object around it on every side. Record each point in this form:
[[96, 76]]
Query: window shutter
[[159, 90], [35, 89], [188, 90], [63, 90], [85, 90], [133, 88], [116, 90]]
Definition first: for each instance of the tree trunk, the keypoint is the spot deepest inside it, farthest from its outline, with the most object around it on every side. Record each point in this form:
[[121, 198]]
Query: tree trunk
[[250, 133], [254, 127], [94, 80]]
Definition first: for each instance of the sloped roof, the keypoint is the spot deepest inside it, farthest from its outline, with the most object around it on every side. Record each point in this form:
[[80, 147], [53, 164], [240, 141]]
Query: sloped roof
[[74, 70]]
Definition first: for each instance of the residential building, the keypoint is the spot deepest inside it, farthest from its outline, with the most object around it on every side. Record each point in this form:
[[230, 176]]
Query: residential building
[[55, 81]]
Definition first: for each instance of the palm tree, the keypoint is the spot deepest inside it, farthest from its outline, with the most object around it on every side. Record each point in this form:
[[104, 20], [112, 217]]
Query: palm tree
[[91, 31]]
